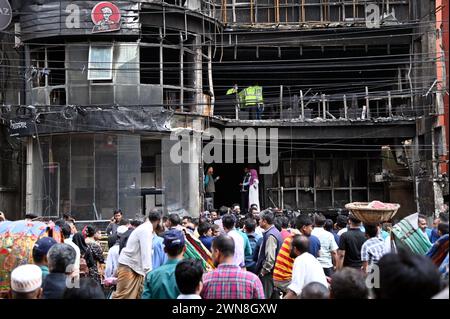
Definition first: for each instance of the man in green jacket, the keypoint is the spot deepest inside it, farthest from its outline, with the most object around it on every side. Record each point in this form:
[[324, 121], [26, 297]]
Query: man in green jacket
[[161, 282]]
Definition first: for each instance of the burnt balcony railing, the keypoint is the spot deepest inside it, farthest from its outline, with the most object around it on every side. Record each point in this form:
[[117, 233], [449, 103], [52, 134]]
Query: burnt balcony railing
[[310, 12], [310, 106], [206, 7]]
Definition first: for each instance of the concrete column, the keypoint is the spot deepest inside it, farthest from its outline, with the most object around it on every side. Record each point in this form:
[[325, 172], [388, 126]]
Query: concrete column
[[194, 176], [181, 179], [198, 81], [29, 177]]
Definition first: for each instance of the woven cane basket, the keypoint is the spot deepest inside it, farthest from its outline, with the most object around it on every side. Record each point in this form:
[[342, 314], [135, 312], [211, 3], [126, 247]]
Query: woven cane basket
[[371, 215]]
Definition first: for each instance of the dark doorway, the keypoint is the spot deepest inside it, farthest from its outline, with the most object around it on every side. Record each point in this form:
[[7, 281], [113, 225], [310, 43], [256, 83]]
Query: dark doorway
[[227, 187]]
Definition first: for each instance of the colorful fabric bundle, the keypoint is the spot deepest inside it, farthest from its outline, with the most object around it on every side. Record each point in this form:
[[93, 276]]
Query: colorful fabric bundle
[[195, 249], [439, 251], [17, 239], [407, 235]]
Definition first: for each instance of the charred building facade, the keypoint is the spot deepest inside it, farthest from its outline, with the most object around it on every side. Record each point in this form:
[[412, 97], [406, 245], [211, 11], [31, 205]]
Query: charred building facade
[[353, 88]]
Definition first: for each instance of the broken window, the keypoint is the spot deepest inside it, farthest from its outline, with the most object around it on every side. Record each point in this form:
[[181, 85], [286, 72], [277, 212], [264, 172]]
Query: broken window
[[58, 96], [290, 201], [324, 199], [171, 66], [149, 66], [188, 70], [359, 176], [341, 172], [56, 57], [324, 182], [323, 173], [48, 63], [100, 62], [304, 174], [37, 66], [171, 98], [341, 198]]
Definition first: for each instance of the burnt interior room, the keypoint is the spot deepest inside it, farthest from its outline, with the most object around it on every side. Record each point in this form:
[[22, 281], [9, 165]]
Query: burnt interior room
[[320, 175], [320, 73]]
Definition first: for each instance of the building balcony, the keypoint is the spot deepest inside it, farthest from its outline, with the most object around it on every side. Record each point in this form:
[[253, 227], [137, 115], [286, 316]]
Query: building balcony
[[307, 14], [55, 18]]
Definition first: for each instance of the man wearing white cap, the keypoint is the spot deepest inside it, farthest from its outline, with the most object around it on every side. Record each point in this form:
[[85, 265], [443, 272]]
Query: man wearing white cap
[[112, 261], [26, 281]]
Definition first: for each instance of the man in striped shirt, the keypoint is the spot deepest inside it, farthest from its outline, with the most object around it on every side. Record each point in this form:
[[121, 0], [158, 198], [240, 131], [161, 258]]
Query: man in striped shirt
[[282, 274], [373, 248], [228, 280]]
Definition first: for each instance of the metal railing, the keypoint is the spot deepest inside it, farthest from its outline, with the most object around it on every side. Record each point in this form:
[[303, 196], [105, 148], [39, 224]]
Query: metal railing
[[307, 105], [294, 12]]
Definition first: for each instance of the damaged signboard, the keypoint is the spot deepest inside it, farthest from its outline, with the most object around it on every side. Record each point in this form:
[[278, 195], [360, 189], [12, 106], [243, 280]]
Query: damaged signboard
[[73, 119]]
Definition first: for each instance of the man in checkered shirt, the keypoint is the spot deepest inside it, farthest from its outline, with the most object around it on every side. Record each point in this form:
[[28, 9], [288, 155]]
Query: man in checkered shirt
[[228, 280], [373, 248]]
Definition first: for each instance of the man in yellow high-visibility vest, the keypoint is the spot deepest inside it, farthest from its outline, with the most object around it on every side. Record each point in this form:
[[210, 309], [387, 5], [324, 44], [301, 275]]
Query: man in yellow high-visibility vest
[[254, 101]]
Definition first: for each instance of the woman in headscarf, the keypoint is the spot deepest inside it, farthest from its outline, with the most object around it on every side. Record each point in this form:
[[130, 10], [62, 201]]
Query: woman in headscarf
[[78, 239], [94, 252], [253, 192]]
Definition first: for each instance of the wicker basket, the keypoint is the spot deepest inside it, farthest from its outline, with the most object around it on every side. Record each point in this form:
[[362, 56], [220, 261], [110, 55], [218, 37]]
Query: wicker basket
[[371, 215]]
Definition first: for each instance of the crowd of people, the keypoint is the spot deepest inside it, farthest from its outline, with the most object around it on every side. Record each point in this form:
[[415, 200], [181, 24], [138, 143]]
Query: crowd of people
[[229, 254]]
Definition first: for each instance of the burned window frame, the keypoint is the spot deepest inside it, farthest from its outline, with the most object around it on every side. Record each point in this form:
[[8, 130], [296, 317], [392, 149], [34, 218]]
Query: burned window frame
[[44, 71], [42, 89], [91, 69], [315, 190]]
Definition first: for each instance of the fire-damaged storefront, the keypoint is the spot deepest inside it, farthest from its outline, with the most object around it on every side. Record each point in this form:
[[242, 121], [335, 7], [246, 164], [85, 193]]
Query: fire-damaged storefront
[[91, 173], [323, 172], [105, 83]]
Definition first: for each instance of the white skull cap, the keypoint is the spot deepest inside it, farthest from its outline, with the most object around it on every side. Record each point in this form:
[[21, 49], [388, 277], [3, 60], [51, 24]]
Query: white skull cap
[[26, 278]]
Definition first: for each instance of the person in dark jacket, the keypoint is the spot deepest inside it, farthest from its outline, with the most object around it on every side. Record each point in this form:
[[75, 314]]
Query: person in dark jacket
[[253, 238], [61, 261], [270, 246]]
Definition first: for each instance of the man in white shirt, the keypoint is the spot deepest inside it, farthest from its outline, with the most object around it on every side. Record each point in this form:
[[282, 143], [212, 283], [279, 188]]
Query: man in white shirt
[[229, 222], [66, 231], [306, 267], [135, 261], [328, 245], [112, 261]]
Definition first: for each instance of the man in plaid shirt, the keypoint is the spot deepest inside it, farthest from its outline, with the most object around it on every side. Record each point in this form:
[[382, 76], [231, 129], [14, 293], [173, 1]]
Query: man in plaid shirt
[[373, 248], [229, 281]]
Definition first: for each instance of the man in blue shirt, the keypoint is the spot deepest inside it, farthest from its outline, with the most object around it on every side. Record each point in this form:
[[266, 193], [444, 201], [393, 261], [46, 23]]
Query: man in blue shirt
[[205, 232], [161, 282], [304, 224], [159, 258]]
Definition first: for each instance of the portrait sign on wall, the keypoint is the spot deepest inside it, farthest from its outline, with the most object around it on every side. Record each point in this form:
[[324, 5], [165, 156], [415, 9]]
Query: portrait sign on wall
[[106, 17]]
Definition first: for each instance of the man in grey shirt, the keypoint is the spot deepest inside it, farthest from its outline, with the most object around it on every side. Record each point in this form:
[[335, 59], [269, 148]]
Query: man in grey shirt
[[210, 188], [111, 230]]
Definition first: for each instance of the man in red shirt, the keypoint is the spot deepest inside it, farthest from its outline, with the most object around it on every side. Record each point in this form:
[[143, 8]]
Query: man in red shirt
[[229, 281]]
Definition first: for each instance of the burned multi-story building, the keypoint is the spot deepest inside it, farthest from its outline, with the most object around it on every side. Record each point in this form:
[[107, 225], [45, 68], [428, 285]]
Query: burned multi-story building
[[352, 88]]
